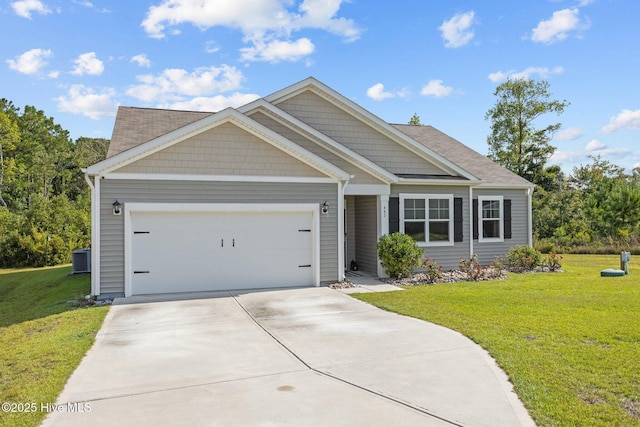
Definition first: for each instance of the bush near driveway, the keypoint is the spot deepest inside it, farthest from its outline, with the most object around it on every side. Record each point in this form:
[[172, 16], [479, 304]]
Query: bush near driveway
[[42, 337], [570, 342]]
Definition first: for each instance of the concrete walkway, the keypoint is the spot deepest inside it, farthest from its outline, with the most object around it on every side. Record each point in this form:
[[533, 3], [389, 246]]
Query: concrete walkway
[[295, 357]]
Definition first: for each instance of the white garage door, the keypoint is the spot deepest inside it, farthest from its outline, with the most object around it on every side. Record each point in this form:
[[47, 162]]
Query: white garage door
[[205, 251]]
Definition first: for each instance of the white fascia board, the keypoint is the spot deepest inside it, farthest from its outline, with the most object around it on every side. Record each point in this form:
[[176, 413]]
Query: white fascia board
[[219, 178], [444, 182], [505, 186], [207, 123], [335, 147], [404, 140], [367, 190]]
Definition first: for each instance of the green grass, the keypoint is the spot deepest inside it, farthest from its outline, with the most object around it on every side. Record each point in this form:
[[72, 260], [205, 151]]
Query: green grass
[[42, 337], [570, 342]]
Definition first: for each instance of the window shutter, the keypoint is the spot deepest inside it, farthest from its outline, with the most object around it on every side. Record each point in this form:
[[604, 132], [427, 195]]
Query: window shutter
[[458, 235], [394, 214], [475, 219], [507, 218]]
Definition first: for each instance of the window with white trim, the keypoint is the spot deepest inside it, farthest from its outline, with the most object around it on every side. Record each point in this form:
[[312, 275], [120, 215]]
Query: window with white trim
[[490, 218], [427, 218]]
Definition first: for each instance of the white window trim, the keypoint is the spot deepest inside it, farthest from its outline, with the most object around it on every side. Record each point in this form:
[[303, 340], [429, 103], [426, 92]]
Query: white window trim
[[481, 220], [426, 198]]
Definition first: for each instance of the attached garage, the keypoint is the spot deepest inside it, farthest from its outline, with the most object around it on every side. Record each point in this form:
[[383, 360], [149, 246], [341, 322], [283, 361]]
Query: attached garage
[[209, 247]]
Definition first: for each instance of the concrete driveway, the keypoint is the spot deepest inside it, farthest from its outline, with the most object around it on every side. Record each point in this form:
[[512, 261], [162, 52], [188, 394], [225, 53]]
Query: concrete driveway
[[295, 357]]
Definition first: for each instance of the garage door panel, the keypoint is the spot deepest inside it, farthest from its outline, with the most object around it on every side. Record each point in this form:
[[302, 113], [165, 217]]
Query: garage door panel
[[202, 251]]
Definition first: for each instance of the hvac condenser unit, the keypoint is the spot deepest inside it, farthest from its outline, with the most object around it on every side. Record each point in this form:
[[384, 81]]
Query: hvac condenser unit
[[81, 261]]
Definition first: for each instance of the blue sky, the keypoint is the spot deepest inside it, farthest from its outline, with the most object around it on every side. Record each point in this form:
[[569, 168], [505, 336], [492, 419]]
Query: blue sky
[[79, 60]]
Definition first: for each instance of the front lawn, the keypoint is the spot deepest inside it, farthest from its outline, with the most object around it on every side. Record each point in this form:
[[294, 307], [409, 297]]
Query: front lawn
[[570, 342], [42, 337]]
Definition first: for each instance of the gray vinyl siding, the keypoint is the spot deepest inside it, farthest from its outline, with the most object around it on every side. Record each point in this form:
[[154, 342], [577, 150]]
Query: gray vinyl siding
[[446, 256], [223, 150], [359, 176], [366, 233], [488, 251], [150, 191], [355, 134]]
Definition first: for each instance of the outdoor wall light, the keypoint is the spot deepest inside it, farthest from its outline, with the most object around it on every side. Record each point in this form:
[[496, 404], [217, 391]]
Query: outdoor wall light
[[325, 208], [117, 208]]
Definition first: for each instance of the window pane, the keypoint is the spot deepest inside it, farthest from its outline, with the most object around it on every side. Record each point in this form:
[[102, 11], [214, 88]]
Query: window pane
[[439, 231], [491, 228], [415, 230], [439, 208], [491, 209], [414, 209]]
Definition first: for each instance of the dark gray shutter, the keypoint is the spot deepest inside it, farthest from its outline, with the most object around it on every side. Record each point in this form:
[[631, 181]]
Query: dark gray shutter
[[458, 235], [507, 218], [394, 214], [475, 219]]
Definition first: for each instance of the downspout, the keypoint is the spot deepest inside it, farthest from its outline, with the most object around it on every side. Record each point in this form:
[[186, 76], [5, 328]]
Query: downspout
[[470, 222], [95, 232], [530, 216]]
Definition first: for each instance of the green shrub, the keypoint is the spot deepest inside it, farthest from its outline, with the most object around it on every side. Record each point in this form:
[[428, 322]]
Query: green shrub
[[399, 255], [523, 258], [433, 271]]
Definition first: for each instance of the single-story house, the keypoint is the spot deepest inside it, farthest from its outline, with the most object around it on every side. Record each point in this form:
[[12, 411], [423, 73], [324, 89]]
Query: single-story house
[[287, 191]]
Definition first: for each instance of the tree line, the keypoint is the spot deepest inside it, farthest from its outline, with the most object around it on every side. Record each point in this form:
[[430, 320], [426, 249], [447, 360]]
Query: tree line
[[595, 208], [45, 202]]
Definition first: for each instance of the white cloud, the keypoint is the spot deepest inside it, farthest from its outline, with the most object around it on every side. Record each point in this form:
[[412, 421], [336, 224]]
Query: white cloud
[[525, 74], [214, 103], [560, 156], [568, 134], [595, 145], [436, 88], [88, 64], [377, 92], [276, 50], [175, 85], [265, 24], [30, 62], [83, 100], [141, 60], [457, 32], [626, 119], [24, 8], [557, 27]]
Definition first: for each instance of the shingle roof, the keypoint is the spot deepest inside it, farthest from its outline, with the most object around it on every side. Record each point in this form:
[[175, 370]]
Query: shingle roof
[[135, 126], [475, 163]]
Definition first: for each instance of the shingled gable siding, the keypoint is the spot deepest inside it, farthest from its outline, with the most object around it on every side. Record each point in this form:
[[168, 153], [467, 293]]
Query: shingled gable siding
[[224, 150], [354, 134], [360, 177], [145, 191], [488, 251], [447, 256]]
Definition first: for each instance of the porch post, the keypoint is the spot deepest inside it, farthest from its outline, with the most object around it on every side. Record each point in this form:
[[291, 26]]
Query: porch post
[[382, 202]]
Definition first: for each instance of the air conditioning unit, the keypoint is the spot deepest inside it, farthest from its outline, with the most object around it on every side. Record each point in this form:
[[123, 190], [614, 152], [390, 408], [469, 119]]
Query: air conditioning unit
[[81, 261]]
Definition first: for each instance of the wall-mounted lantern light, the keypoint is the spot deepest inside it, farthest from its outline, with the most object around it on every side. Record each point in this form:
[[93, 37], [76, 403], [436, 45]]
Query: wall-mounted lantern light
[[325, 208], [117, 208]]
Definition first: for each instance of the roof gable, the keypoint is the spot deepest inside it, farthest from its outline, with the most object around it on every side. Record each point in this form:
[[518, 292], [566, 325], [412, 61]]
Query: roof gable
[[211, 121], [367, 118]]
